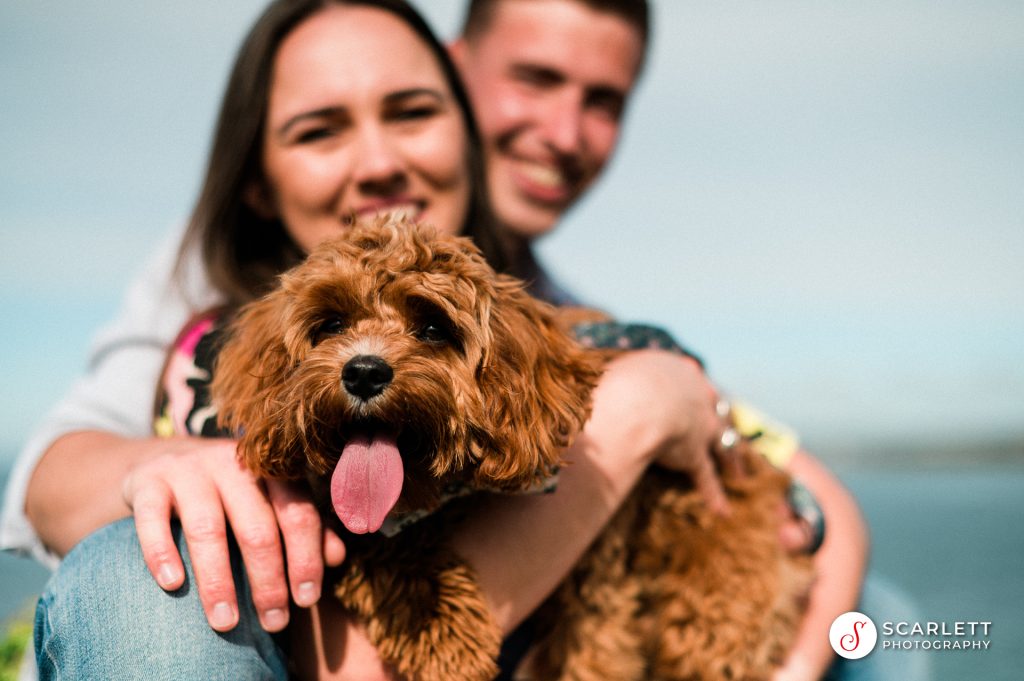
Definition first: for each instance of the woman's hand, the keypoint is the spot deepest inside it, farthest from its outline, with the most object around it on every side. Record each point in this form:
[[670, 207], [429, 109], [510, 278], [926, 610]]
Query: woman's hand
[[203, 483]]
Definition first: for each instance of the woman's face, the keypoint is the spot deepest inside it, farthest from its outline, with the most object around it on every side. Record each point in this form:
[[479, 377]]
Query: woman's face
[[360, 121]]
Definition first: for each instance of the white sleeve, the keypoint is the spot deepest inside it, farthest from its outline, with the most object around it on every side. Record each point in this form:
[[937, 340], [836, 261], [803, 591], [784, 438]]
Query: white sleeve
[[117, 391]]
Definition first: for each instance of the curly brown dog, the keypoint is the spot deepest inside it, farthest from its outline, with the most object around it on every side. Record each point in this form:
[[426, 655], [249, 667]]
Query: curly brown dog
[[399, 375]]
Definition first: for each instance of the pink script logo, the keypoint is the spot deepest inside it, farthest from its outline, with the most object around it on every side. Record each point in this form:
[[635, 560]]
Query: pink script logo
[[849, 642]]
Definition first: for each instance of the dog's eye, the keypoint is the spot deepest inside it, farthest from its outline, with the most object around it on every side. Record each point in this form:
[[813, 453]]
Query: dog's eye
[[435, 334], [331, 326], [430, 325]]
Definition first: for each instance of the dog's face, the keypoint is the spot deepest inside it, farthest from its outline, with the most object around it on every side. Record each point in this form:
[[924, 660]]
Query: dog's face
[[394, 362]]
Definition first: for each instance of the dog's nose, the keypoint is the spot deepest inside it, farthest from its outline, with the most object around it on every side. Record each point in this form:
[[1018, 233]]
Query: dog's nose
[[366, 375]]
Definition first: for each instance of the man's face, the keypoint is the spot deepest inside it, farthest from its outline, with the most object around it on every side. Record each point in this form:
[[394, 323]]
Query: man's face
[[549, 81]]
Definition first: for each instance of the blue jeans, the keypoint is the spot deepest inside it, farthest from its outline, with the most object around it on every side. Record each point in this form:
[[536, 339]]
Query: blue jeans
[[102, 616]]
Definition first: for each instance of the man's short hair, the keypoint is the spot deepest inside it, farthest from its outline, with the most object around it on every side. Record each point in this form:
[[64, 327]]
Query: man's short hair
[[636, 13]]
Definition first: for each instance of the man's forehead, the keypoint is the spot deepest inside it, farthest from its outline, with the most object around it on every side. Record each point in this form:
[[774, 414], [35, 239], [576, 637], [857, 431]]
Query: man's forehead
[[482, 13], [564, 35]]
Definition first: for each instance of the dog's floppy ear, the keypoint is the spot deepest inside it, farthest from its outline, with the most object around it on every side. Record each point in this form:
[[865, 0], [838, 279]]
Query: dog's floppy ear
[[535, 383], [248, 389]]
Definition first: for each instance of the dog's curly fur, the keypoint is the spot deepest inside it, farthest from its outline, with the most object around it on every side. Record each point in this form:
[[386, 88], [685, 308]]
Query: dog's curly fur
[[487, 390]]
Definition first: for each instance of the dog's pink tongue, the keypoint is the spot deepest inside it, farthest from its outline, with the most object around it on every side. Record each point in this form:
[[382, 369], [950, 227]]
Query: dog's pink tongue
[[367, 482]]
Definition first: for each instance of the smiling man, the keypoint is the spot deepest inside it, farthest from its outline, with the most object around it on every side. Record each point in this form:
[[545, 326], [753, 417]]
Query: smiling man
[[549, 80]]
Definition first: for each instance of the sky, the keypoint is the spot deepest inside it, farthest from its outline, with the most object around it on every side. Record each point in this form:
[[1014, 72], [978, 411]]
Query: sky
[[821, 198]]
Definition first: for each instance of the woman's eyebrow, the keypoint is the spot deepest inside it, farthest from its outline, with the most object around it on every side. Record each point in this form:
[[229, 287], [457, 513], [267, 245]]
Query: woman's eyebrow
[[408, 93], [325, 112]]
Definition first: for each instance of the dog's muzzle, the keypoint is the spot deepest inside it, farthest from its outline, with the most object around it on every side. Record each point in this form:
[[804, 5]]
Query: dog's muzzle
[[365, 376]]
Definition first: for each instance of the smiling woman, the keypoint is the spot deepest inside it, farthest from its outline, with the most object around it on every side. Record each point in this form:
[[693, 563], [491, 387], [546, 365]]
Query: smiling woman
[[303, 147]]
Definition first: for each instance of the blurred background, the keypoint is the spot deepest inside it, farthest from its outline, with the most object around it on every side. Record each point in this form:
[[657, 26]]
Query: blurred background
[[822, 198]]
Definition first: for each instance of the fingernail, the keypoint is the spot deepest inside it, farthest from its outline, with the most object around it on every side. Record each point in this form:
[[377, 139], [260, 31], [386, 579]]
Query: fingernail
[[307, 594], [167, 576], [223, 616], [274, 619]]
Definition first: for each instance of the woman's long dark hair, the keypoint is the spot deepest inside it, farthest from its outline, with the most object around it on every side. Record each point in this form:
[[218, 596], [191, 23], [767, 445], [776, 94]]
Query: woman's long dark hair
[[242, 252]]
